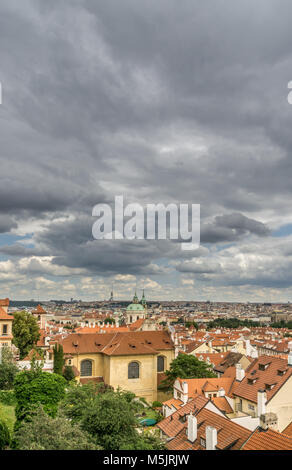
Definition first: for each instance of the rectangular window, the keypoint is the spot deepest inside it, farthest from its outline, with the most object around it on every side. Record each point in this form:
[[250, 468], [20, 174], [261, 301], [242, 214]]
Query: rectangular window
[[4, 330]]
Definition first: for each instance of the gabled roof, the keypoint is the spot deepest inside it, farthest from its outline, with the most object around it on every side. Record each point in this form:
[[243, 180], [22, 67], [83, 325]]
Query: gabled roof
[[116, 344], [268, 440], [4, 315], [222, 404], [256, 379], [172, 425], [199, 386], [39, 310], [229, 434]]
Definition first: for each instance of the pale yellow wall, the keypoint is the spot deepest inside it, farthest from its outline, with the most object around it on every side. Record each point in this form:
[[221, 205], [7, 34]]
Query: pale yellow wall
[[6, 339], [245, 408], [281, 404], [145, 386], [114, 370]]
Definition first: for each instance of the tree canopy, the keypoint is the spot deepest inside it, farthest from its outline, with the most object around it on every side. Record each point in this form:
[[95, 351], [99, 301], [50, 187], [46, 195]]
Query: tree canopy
[[109, 417], [186, 367], [58, 359], [8, 369], [33, 388], [42, 432], [26, 332]]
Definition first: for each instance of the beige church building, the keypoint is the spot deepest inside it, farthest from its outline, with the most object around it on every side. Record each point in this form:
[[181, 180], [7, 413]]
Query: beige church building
[[133, 361]]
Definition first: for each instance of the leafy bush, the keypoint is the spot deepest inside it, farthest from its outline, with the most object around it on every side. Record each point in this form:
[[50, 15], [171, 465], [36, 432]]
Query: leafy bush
[[68, 373], [42, 432], [156, 404], [38, 388], [7, 397], [4, 436], [8, 369]]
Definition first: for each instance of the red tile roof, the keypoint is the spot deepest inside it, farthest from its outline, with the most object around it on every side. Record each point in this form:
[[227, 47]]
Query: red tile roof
[[261, 378], [4, 315], [229, 434], [117, 344], [268, 440]]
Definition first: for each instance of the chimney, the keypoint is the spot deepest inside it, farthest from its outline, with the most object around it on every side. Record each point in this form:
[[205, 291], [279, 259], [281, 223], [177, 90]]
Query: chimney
[[239, 372], [192, 428], [185, 392], [211, 438], [262, 398], [247, 347], [221, 392], [269, 421]]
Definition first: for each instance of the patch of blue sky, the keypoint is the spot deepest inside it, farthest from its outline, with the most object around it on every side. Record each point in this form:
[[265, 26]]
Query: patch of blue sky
[[10, 239], [282, 231]]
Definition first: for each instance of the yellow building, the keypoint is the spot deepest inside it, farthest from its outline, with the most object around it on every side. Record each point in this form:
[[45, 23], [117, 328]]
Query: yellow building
[[132, 360], [5, 324]]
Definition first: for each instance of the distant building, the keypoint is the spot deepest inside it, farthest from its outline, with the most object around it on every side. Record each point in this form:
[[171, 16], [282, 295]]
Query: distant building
[[5, 324]]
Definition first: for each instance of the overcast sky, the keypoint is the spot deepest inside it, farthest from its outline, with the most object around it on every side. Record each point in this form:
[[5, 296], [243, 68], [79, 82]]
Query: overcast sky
[[158, 101]]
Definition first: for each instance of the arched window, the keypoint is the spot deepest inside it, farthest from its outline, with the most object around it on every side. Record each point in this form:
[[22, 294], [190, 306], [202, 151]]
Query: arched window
[[86, 368], [133, 370], [130, 318], [160, 364]]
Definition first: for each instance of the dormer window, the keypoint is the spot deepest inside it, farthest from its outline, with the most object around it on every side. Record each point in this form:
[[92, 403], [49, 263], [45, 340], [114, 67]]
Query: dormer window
[[269, 386], [203, 442], [264, 366], [252, 381], [281, 371]]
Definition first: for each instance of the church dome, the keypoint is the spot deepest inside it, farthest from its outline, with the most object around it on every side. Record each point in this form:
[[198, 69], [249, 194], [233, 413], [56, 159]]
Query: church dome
[[135, 308]]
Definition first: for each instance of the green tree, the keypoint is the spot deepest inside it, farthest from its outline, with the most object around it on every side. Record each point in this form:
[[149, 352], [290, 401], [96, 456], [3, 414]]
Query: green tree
[[33, 388], [186, 367], [26, 332], [68, 373], [109, 417], [109, 320], [4, 436], [42, 432], [8, 369], [58, 359]]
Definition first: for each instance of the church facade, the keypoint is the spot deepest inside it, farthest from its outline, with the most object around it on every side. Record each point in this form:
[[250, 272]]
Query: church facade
[[133, 361]]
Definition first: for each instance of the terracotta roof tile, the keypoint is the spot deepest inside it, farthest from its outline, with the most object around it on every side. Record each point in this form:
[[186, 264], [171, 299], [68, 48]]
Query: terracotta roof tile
[[268, 440], [248, 390]]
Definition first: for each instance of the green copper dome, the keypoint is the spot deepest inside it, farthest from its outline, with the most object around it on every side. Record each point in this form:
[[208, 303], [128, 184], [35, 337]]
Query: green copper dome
[[135, 307]]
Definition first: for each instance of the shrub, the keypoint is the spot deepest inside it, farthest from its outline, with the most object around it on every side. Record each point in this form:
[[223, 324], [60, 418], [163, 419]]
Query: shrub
[[7, 397], [38, 388], [4, 436]]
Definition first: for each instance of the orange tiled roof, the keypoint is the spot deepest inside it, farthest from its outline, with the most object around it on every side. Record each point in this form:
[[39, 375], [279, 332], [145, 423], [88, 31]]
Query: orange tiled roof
[[4, 302], [128, 343], [39, 310], [197, 386], [136, 325], [268, 440], [261, 378], [4, 315], [172, 425], [288, 430], [173, 402], [229, 434], [222, 404]]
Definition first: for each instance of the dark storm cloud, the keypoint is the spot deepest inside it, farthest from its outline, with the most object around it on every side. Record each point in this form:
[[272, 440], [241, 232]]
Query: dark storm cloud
[[6, 223]]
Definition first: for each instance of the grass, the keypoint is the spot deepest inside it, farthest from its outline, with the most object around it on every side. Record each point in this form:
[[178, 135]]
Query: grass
[[7, 414]]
